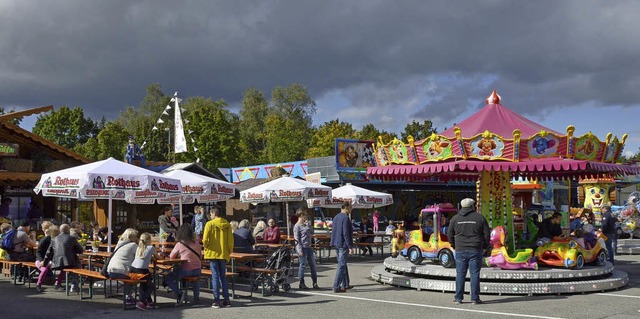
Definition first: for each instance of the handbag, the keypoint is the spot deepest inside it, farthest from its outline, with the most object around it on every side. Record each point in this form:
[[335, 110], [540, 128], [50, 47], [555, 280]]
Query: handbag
[[104, 271]]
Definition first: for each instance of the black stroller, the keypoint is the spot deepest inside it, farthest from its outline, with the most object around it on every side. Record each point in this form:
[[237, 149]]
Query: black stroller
[[276, 272]]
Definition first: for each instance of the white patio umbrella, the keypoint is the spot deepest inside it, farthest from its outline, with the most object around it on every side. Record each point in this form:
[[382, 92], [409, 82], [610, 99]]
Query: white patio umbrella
[[358, 196], [285, 189], [108, 179], [196, 187]]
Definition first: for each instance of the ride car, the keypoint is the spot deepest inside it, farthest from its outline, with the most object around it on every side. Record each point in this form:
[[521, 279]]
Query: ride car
[[424, 240]]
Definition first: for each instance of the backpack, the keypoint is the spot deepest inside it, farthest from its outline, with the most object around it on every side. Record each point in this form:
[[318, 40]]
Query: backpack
[[7, 240]]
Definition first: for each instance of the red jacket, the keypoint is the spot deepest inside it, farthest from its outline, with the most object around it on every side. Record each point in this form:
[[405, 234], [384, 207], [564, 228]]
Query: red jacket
[[272, 235]]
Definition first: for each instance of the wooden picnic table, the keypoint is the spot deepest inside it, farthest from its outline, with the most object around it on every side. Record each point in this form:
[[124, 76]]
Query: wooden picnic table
[[92, 254]]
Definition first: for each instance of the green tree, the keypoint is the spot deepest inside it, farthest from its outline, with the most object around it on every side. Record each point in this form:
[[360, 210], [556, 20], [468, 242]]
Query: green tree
[[253, 115], [111, 142], [323, 138], [418, 130], [66, 127], [139, 122], [370, 133], [288, 126], [215, 132]]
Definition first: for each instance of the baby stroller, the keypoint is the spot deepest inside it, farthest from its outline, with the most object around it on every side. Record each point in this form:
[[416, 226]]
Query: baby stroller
[[276, 271]]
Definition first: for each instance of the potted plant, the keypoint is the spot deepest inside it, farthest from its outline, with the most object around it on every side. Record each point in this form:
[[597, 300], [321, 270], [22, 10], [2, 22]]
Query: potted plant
[[95, 246]]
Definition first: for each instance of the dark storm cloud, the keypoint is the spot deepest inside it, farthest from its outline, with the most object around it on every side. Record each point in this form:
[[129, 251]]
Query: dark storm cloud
[[540, 55]]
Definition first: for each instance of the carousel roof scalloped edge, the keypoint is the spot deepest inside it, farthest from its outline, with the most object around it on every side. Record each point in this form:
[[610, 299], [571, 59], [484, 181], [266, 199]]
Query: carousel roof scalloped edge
[[545, 150]]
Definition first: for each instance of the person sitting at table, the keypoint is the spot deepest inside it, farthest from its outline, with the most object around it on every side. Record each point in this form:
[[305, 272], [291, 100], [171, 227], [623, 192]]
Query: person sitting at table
[[390, 228], [50, 231], [186, 249], [272, 233], [140, 265], [104, 238], [303, 233], [94, 229], [242, 239], [22, 245], [366, 229], [77, 229], [63, 254], [234, 225], [258, 231], [120, 263]]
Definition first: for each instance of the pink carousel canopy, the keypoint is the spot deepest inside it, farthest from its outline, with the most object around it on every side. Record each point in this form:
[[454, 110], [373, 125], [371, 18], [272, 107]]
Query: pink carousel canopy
[[498, 139]]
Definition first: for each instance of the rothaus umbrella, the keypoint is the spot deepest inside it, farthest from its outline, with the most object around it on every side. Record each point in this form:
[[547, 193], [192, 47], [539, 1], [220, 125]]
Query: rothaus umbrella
[[358, 197], [200, 188], [108, 179], [285, 189]]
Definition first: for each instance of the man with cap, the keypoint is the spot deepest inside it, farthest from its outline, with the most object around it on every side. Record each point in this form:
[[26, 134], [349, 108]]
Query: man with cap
[[134, 152], [469, 235]]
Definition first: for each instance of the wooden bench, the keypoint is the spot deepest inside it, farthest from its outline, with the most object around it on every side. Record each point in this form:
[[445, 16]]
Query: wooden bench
[[10, 269], [379, 246], [92, 275], [228, 274], [319, 249], [32, 270]]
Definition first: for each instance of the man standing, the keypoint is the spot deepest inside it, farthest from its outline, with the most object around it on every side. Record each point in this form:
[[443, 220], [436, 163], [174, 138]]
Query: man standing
[[218, 245], [469, 235], [167, 226], [609, 230], [342, 240]]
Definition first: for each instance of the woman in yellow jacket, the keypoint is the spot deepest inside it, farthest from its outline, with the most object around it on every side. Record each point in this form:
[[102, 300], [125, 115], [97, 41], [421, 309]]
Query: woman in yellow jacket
[[218, 245]]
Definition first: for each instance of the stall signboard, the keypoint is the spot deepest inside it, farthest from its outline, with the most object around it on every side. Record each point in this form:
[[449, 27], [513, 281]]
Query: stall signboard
[[9, 149], [354, 155]]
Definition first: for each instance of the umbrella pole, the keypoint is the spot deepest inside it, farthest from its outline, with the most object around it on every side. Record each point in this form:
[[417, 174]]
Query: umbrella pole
[[286, 205], [180, 201], [109, 223]]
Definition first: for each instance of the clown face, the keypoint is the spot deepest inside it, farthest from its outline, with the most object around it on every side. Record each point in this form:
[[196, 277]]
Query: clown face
[[595, 196]]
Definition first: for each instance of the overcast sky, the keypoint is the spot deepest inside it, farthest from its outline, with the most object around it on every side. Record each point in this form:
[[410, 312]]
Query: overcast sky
[[367, 61]]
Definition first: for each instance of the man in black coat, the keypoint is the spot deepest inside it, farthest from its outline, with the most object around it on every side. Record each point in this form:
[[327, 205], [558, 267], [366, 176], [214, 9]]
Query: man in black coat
[[609, 230], [469, 235]]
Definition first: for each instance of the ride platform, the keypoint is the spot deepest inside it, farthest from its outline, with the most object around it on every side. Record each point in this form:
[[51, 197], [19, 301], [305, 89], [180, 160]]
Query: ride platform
[[429, 276]]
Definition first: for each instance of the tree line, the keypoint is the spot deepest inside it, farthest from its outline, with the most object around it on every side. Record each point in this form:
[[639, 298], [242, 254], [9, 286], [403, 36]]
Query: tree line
[[266, 130]]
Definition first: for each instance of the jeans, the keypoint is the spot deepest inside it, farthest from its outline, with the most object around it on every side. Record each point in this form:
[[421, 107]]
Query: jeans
[[468, 260], [610, 248], [219, 279], [172, 281], [342, 273], [307, 258]]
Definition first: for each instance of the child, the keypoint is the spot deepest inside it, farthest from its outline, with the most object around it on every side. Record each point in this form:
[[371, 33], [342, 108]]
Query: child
[[376, 219], [140, 266]]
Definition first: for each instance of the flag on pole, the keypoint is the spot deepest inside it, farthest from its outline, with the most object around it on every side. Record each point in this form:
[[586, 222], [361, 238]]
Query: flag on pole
[[180, 142]]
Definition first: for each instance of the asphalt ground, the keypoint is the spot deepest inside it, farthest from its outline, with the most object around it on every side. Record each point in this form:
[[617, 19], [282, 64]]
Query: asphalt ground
[[368, 299]]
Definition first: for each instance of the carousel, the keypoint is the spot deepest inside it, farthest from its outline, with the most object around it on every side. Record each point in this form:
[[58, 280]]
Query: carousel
[[493, 147]]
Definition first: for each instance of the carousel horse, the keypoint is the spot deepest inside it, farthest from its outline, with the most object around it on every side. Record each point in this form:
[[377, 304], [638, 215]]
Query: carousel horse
[[501, 258]]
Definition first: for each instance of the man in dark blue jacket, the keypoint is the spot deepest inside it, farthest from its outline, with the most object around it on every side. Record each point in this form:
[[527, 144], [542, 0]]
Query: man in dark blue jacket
[[609, 230], [342, 240], [469, 235]]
